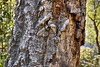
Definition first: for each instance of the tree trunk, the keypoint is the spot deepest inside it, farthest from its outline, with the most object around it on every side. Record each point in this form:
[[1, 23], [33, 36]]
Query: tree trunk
[[47, 33]]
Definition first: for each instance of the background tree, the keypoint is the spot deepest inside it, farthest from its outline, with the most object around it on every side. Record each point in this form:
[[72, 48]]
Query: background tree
[[89, 56], [47, 33], [93, 22]]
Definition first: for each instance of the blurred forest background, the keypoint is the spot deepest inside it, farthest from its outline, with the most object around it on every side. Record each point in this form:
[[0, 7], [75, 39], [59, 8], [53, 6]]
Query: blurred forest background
[[89, 55]]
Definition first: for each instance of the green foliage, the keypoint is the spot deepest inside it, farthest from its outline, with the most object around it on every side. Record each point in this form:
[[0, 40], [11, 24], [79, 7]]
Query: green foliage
[[6, 13], [89, 57], [92, 7]]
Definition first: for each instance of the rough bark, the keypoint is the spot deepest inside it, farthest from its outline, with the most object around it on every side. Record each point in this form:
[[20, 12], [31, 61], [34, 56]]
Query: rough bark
[[47, 33]]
